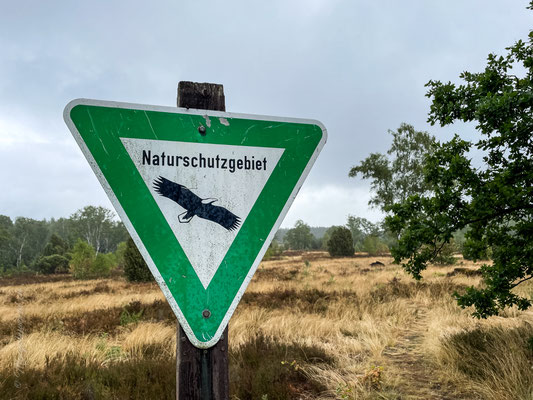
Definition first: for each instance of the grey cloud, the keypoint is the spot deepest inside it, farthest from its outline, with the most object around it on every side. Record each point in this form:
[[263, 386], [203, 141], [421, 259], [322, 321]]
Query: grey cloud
[[358, 66]]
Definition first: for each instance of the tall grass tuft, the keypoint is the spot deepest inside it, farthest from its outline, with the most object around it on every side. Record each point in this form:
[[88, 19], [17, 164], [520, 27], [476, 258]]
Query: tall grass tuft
[[495, 360], [267, 368]]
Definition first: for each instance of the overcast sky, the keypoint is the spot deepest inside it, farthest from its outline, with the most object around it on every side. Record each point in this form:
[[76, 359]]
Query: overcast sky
[[357, 66]]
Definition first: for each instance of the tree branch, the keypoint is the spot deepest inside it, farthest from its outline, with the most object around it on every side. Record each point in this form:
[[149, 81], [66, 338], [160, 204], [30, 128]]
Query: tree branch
[[499, 214], [520, 281]]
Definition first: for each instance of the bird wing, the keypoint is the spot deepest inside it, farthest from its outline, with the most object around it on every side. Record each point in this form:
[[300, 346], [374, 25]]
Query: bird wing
[[220, 215], [179, 193]]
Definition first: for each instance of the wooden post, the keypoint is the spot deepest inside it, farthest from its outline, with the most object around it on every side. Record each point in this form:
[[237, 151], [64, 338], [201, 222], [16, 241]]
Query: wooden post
[[201, 374]]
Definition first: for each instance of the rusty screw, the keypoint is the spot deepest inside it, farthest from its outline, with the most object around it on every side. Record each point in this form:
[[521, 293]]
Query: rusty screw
[[206, 313]]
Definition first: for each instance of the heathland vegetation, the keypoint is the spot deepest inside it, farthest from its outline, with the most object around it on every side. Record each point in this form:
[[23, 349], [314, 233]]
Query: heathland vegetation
[[92, 243], [308, 327]]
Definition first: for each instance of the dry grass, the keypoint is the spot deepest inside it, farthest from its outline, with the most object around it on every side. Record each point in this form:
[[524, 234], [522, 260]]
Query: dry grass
[[320, 328]]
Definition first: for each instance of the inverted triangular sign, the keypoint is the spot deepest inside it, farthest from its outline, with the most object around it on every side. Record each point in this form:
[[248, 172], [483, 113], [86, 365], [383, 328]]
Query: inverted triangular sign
[[202, 194]]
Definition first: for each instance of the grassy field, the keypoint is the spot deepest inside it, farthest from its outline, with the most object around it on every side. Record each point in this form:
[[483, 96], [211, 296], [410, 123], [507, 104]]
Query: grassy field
[[308, 327]]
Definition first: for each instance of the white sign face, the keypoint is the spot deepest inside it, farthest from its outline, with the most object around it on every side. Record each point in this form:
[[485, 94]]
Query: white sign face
[[229, 177]]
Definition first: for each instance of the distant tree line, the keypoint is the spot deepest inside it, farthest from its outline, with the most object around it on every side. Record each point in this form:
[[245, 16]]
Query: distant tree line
[[38, 245], [363, 236]]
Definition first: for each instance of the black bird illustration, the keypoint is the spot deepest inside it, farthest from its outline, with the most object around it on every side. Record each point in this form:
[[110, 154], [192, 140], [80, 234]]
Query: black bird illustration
[[195, 205]]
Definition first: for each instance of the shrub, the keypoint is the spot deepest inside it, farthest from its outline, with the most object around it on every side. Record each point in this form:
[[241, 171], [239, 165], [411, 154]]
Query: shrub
[[135, 267], [131, 314], [55, 245], [102, 265], [274, 250], [374, 246], [340, 243], [53, 264], [119, 254], [86, 264], [82, 257]]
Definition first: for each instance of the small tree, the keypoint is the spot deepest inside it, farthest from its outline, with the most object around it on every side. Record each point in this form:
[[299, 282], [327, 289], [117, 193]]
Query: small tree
[[55, 245], [97, 225], [398, 174], [274, 250], [82, 259], [102, 265], [135, 267], [54, 258], [360, 228], [85, 264], [28, 240], [299, 237], [119, 254], [327, 236], [374, 246], [53, 264], [340, 242]]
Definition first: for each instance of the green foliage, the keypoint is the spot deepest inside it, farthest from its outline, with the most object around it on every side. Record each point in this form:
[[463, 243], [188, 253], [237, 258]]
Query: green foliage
[[131, 314], [299, 237], [398, 174], [459, 240], [54, 259], [493, 203], [374, 246], [98, 227], [55, 245], [307, 268], [340, 242], [369, 237], [316, 243], [274, 250], [135, 267], [446, 255], [127, 318], [22, 272], [52, 264], [120, 253], [476, 250], [82, 258], [360, 228], [102, 265], [325, 238], [85, 264], [27, 238], [7, 256], [317, 231]]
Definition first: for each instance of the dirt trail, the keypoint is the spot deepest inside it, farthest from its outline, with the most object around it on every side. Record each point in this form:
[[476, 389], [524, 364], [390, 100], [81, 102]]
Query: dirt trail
[[407, 359]]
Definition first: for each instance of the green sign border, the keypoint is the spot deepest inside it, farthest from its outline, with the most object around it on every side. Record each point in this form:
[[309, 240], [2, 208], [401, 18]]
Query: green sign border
[[98, 127]]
